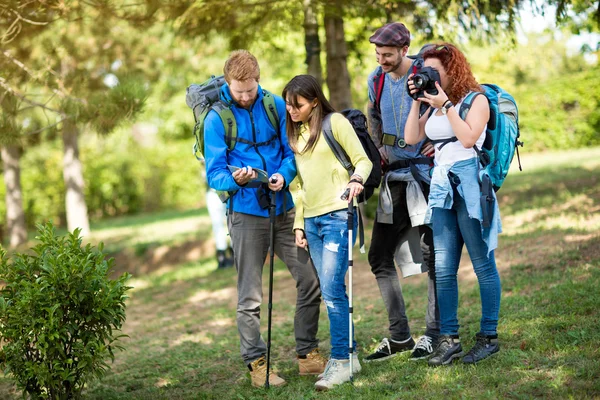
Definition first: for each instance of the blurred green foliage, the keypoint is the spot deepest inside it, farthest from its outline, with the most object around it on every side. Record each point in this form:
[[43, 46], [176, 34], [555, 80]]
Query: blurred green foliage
[[121, 177], [557, 90]]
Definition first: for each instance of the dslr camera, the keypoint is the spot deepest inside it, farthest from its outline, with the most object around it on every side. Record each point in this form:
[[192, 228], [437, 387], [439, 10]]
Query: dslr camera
[[424, 80]]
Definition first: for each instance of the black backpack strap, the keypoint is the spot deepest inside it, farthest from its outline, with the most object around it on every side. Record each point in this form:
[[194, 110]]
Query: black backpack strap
[[444, 141], [335, 147]]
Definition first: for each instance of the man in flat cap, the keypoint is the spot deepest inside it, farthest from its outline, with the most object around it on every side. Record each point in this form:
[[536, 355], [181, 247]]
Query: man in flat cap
[[398, 232]]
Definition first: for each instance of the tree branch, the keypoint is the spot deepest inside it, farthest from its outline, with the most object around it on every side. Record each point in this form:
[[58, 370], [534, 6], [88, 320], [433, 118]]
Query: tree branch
[[21, 96]]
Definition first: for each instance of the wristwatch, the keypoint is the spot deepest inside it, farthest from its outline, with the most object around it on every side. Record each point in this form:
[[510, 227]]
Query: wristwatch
[[446, 107]]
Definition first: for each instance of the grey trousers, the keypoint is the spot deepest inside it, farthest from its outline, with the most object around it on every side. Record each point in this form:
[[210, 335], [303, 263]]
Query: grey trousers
[[250, 242]]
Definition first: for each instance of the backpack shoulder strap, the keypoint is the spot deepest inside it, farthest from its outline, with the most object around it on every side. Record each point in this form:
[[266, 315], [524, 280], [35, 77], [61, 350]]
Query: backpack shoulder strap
[[467, 103], [335, 147], [378, 82], [229, 123], [271, 109]]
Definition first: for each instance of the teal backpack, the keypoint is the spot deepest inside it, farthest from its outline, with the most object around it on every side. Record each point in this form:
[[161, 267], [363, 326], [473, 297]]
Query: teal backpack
[[203, 97], [502, 134], [501, 142]]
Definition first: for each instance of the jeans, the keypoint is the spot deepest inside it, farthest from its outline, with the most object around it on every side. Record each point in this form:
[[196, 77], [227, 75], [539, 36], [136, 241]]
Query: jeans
[[327, 237], [250, 241], [451, 229], [384, 241]]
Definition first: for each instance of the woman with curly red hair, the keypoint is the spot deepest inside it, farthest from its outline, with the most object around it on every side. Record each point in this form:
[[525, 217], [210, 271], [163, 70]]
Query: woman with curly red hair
[[454, 208]]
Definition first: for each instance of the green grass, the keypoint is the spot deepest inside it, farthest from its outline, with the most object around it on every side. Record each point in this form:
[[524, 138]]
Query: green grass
[[184, 344]]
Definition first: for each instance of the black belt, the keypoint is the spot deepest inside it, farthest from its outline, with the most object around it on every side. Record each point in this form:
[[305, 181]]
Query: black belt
[[407, 163]]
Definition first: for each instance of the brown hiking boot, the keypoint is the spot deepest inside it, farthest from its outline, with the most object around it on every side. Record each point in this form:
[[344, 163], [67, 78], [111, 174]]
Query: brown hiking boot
[[312, 364], [258, 374]]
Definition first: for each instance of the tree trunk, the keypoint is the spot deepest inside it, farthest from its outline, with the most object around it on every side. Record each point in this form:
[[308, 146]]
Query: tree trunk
[[15, 217], [77, 215], [338, 78], [312, 43]]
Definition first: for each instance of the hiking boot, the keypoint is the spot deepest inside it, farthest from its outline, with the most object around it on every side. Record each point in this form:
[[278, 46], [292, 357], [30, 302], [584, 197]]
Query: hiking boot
[[312, 364], [389, 348], [355, 365], [336, 372], [258, 374], [484, 347], [447, 350], [423, 348]]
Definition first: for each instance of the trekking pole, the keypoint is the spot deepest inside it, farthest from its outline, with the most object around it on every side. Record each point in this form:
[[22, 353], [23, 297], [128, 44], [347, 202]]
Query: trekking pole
[[350, 311], [272, 208]]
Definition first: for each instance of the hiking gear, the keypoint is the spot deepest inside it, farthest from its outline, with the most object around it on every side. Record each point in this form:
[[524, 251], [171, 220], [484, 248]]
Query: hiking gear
[[312, 364], [253, 126], [423, 348], [337, 372], [485, 346], [447, 350], [272, 208], [350, 264], [258, 374], [501, 140], [203, 97], [359, 123], [355, 366], [388, 348], [394, 35]]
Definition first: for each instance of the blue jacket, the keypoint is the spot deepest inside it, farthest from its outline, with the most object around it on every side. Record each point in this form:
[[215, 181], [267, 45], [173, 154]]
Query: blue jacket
[[252, 125]]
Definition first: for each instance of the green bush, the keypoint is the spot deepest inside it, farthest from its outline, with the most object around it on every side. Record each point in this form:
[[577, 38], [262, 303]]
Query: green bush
[[59, 315]]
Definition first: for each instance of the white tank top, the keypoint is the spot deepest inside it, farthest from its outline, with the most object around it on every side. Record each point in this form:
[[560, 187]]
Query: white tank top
[[438, 127]]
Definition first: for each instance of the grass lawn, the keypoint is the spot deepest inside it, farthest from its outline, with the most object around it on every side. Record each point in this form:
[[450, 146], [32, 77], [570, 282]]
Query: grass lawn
[[183, 341]]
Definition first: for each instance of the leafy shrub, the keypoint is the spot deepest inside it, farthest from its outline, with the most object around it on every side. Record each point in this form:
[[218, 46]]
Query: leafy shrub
[[59, 315]]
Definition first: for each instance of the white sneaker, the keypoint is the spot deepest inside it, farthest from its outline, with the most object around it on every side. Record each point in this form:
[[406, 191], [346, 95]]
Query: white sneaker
[[355, 366], [336, 372]]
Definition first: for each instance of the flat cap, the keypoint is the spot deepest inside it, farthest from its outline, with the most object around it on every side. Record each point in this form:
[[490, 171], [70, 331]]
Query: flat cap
[[394, 35]]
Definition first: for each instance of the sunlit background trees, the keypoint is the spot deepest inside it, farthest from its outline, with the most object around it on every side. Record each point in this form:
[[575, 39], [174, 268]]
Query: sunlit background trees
[[93, 118]]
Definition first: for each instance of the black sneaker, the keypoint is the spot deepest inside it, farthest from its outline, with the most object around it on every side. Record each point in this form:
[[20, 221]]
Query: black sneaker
[[485, 346], [388, 348], [447, 350], [423, 348]]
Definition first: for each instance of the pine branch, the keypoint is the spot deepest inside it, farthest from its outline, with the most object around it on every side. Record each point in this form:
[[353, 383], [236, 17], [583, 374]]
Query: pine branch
[[24, 98]]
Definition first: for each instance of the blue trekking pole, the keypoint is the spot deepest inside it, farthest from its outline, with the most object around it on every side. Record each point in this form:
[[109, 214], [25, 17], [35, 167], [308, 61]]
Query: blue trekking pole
[[272, 208]]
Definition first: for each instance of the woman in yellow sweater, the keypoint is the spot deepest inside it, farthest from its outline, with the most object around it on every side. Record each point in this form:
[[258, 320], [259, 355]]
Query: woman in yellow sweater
[[321, 215]]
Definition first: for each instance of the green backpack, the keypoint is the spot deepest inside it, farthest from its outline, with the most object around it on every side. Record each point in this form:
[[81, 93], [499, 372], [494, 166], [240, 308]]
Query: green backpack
[[203, 97]]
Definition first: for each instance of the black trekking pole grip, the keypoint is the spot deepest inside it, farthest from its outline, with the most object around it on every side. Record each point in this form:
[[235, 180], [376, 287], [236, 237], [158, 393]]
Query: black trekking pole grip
[[272, 208]]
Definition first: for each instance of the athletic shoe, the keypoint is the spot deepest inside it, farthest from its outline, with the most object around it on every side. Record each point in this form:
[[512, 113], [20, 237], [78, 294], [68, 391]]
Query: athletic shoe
[[336, 373], [485, 346], [447, 350], [389, 348], [423, 348]]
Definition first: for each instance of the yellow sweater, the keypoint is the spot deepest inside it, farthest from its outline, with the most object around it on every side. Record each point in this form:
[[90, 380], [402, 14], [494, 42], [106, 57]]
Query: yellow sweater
[[321, 177]]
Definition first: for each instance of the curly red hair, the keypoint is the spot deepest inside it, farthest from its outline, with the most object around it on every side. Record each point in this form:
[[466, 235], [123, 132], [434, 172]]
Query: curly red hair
[[457, 68]]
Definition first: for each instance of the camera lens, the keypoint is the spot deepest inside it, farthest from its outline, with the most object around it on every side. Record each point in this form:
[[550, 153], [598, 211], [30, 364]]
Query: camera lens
[[419, 81]]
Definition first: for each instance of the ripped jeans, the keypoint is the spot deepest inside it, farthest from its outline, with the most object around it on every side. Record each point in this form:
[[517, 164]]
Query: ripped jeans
[[327, 237]]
